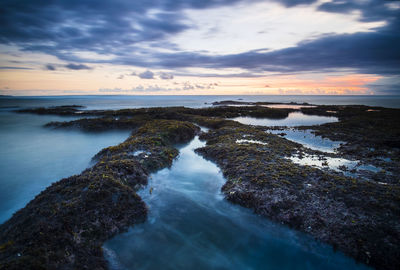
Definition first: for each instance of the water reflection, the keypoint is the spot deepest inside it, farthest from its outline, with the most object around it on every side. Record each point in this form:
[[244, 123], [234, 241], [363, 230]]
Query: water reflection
[[294, 119], [288, 106], [191, 226], [347, 167], [309, 139]]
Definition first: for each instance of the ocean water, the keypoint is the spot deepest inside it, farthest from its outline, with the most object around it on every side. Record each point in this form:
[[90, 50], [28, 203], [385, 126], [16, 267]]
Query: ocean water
[[32, 157], [190, 224], [120, 102]]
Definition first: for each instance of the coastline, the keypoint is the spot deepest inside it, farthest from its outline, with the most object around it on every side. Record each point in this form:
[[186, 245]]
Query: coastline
[[280, 193]]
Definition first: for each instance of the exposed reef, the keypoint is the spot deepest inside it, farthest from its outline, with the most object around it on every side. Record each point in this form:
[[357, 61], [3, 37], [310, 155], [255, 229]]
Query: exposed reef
[[166, 112], [371, 135], [65, 225], [57, 110], [246, 103], [360, 218]]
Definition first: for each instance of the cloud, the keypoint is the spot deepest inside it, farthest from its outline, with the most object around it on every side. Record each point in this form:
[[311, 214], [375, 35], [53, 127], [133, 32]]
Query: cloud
[[367, 52], [146, 75], [178, 87], [140, 89], [137, 33], [166, 76], [15, 68], [130, 32], [223, 75], [50, 67], [77, 66], [103, 27]]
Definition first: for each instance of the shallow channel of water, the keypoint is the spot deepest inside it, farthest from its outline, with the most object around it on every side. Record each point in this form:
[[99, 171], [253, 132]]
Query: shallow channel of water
[[191, 226]]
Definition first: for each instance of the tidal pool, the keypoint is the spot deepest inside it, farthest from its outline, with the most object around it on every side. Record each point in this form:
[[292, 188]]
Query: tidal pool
[[309, 139], [191, 226], [352, 168], [294, 119], [288, 106]]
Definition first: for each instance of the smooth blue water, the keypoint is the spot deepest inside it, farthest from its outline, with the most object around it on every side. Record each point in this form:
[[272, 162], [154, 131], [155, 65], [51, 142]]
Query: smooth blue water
[[32, 157], [120, 102], [294, 119], [191, 226]]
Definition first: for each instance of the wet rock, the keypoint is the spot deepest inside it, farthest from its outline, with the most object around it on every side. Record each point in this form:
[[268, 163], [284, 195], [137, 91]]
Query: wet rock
[[65, 225], [57, 110], [358, 217]]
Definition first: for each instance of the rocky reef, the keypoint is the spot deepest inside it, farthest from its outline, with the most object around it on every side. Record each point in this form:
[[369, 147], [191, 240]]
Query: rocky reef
[[372, 134], [66, 224], [57, 110], [358, 217]]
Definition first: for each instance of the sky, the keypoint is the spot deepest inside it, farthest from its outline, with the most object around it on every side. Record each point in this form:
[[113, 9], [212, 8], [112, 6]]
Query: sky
[[199, 47]]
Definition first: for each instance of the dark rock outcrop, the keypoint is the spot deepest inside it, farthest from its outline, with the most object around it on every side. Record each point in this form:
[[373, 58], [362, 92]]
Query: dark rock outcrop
[[358, 217]]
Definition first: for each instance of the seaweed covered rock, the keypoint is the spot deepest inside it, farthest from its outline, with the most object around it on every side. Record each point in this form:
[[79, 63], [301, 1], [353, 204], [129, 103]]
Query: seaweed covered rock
[[358, 217], [56, 110], [371, 134], [102, 123], [65, 225]]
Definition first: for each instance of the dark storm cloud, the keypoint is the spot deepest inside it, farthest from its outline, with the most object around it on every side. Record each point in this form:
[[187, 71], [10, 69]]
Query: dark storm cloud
[[370, 52], [375, 53], [105, 27], [371, 10], [121, 27], [77, 66], [15, 68], [101, 26]]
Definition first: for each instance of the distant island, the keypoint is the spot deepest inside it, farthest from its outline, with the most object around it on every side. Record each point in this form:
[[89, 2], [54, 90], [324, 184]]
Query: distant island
[[356, 210]]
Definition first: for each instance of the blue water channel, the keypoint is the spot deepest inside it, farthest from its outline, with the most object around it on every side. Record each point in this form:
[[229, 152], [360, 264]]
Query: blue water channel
[[191, 226]]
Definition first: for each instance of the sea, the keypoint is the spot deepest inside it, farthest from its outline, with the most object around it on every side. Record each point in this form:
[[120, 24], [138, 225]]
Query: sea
[[95, 102], [190, 224]]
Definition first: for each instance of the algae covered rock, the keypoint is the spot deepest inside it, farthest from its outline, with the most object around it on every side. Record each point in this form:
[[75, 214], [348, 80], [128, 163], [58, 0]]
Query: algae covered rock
[[65, 225]]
